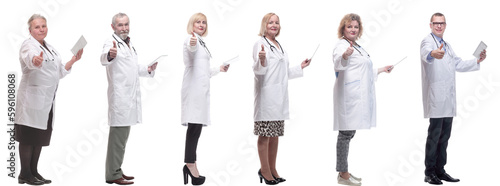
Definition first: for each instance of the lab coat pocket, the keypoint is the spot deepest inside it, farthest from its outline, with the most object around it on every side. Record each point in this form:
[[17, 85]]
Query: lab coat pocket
[[352, 93], [36, 97], [437, 91]]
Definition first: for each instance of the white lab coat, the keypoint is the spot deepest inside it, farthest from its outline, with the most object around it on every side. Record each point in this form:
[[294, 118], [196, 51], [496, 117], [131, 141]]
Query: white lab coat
[[195, 92], [38, 87], [124, 93], [271, 82], [354, 91], [438, 78]]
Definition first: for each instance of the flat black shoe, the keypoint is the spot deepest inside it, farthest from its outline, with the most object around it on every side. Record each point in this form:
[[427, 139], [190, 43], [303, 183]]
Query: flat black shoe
[[279, 179], [268, 182], [45, 181], [33, 181], [448, 178], [194, 180], [433, 179]]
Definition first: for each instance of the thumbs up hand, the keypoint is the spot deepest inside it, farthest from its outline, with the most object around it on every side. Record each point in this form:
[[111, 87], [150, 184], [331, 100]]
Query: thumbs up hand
[[193, 40], [262, 56], [348, 52], [113, 51], [438, 53], [38, 60]]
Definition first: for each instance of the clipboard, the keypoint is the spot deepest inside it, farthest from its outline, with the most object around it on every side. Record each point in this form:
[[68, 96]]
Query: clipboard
[[390, 68], [160, 58], [232, 60], [482, 46], [314, 52], [80, 44]]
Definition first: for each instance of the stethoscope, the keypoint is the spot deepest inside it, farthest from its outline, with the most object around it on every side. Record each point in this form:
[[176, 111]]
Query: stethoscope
[[202, 43], [354, 46], [272, 46], [120, 43], [437, 45], [51, 52]]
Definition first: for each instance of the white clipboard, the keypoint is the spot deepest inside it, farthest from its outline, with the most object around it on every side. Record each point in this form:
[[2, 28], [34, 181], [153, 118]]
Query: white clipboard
[[390, 68], [160, 58], [314, 52], [482, 46], [232, 60], [79, 45]]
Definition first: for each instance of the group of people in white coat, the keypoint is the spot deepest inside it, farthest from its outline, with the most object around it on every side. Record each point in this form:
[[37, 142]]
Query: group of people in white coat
[[354, 94]]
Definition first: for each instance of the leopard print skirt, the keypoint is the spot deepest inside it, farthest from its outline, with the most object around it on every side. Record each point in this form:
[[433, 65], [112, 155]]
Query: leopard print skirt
[[269, 128]]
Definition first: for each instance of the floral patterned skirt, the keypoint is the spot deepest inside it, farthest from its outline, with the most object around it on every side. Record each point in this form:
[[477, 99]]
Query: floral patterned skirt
[[269, 128]]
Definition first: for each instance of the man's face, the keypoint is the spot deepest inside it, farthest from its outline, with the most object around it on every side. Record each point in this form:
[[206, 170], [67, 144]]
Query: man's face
[[121, 27], [438, 25]]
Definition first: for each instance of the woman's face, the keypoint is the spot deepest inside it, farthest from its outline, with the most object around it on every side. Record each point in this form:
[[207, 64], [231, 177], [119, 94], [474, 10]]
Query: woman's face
[[351, 30], [273, 26], [38, 29], [200, 26]]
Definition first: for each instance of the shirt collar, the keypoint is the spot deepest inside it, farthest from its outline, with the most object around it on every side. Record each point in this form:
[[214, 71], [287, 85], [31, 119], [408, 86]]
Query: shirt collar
[[438, 38]]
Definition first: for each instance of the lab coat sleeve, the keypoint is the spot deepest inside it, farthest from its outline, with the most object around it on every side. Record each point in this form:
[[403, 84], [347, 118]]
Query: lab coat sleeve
[[27, 53], [426, 48], [214, 71], [62, 70], [338, 61], [104, 55], [464, 65], [295, 72], [258, 69], [143, 71]]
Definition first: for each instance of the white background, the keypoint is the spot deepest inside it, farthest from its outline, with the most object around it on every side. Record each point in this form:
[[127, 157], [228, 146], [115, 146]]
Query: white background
[[390, 154]]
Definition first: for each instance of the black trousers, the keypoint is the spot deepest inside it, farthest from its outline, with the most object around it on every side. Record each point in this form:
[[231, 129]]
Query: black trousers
[[437, 141], [192, 135]]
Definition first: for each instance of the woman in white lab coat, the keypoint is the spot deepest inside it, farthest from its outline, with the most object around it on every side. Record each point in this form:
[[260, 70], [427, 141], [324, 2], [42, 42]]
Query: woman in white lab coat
[[354, 91], [42, 68], [196, 91], [272, 72]]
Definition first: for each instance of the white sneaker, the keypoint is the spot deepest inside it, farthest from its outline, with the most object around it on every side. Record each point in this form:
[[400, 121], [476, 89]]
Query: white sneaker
[[356, 178], [350, 181]]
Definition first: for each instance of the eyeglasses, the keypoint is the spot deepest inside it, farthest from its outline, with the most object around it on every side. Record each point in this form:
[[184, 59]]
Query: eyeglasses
[[438, 23]]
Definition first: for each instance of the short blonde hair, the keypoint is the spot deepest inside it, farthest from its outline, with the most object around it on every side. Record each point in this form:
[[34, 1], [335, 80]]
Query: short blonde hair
[[33, 17], [194, 18], [263, 24], [347, 20]]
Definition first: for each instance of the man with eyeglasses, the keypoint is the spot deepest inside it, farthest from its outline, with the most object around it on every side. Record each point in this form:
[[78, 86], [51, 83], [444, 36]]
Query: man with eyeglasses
[[439, 63]]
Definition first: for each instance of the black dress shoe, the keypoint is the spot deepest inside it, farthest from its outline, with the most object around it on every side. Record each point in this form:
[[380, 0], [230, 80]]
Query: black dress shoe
[[33, 181], [45, 181], [433, 179], [448, 178]]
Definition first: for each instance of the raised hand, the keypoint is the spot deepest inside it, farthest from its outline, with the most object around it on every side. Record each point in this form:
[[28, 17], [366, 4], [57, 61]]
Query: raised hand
[[482, 56], [38, 60], [348, 52], [305, 63], [224, 68], [262, 56], [438, 53], [113, 51], [193, 40]]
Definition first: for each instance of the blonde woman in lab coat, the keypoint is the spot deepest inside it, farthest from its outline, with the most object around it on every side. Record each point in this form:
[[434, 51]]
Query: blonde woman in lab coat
[[354, 91], [42, 68], [272, 72], [195, 109]]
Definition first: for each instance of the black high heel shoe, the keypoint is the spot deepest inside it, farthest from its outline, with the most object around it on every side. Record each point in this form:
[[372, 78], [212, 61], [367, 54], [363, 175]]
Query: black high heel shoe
[[268, 182], [279, 179], [194, 180]]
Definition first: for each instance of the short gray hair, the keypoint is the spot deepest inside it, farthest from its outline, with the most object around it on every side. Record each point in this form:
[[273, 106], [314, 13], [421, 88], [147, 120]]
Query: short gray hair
[[118, 15], [33, 17]]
